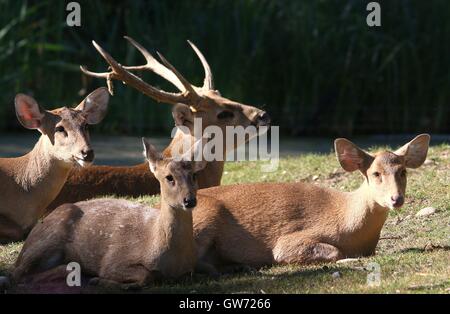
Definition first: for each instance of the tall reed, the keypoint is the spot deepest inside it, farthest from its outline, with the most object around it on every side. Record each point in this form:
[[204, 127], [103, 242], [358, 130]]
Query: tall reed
[[315, 66]]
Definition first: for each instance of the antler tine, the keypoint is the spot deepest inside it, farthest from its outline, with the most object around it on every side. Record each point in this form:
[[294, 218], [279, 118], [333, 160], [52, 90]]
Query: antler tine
[[105, 75], [185, 82], [94, 74], [113, 64], [154, 66], [208, 82], [119, 73]]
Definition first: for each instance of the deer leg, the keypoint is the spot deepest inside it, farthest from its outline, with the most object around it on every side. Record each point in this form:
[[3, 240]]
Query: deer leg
[[298, 248], [55, 274], [31, 264], [53, 280], [10, 231], [127, 277]]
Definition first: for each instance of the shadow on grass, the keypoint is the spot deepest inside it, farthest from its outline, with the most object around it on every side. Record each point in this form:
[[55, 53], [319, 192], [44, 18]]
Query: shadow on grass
[[245, 282], [241, 282], [429, 287], [426, 249]]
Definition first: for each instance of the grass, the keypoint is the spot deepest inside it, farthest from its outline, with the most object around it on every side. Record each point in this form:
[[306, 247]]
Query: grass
[[413, 253]]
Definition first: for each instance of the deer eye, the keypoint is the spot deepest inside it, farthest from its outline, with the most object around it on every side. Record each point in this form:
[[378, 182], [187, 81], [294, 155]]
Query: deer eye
[[170, 179], [86, 127], [225, 115], [60, 129], [376, 174]]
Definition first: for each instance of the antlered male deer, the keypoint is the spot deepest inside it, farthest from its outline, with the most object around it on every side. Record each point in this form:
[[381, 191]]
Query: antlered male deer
[[117, 240], [29, 183], [262, 224], [191, 102]]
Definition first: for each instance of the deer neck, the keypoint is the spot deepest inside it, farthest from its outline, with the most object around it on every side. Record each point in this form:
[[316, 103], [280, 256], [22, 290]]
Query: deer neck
[[362, 213], [41, 176], [174, 227], [360, 223], [171, 241]]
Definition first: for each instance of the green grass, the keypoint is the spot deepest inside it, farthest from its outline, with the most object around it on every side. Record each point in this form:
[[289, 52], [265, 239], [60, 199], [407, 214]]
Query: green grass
[[414, 253]]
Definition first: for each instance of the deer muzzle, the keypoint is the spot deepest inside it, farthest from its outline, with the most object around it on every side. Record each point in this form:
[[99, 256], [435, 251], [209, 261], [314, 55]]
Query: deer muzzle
[[85, 158], [397, 201]]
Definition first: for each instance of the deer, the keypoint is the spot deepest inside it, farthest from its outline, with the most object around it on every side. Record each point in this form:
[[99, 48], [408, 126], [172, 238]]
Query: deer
[[118, 242], [31, 182], [254, 225], [191, 102]]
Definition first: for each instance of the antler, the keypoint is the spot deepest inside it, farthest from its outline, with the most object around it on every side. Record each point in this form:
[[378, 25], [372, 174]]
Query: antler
[[154, 66], [208, 83], [187, 95]]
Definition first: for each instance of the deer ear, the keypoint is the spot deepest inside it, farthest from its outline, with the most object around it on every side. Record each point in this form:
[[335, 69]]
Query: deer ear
[[151, 154], [182, 115], [415, 152], [95, 105], [350, 156], [28, 112]]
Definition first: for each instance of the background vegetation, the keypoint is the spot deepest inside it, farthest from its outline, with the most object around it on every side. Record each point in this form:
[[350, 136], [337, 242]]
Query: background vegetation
[[314, 65]]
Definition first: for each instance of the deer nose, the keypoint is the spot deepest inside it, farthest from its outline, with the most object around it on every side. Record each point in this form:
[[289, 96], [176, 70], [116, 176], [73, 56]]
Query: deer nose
[[88, 155], [263, 119], [190, 202], [397, 201]]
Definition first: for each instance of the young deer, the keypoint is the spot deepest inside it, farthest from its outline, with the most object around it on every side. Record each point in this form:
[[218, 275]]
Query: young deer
[[117, 240], [191, 102], [262, 224], [29, 183]]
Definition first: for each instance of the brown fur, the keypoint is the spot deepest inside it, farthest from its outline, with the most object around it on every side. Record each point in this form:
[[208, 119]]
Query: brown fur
[[265, 223], [207, 104], [117, 240], [131, 181], [31, 182]]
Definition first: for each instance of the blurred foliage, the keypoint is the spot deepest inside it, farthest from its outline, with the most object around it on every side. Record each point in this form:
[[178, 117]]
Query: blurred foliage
[[315, 66]]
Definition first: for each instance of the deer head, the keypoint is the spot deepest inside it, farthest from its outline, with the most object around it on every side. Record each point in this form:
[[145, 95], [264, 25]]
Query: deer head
[[176, 177], [66, 128], [191, 101], [384, 172]]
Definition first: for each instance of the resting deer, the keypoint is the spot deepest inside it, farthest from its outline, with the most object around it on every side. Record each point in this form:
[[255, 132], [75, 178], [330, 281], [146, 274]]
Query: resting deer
[[119, 241], [262, 224], [29, 183], [191, 102]]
